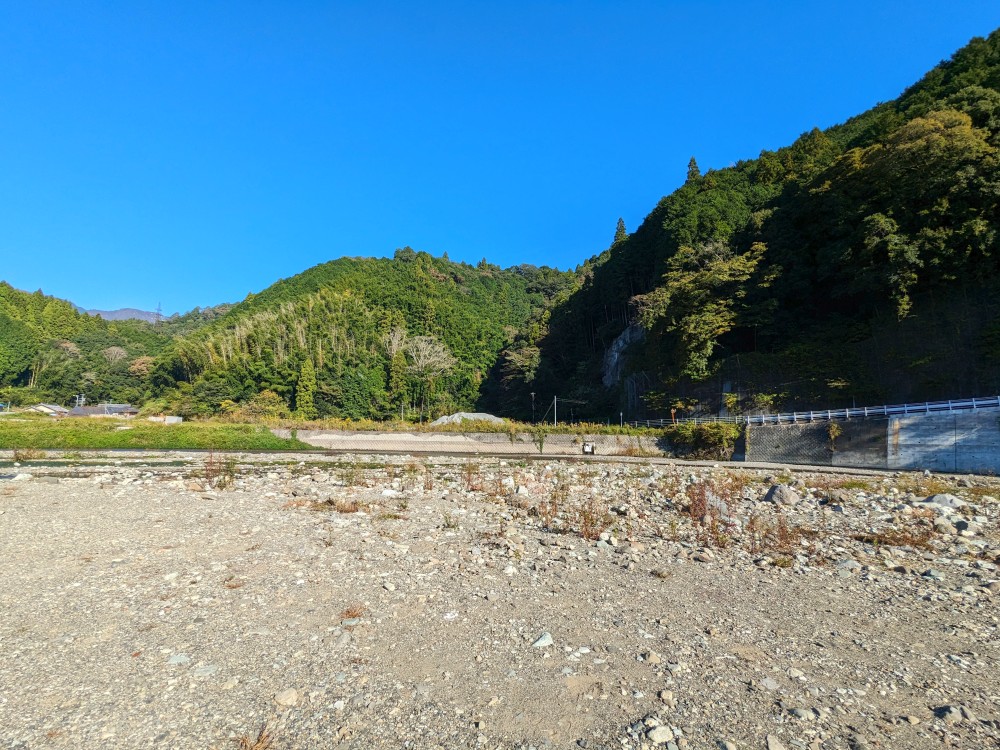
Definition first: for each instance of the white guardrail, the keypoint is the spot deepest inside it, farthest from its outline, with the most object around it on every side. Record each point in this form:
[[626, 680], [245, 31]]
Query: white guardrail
[[928, 407]]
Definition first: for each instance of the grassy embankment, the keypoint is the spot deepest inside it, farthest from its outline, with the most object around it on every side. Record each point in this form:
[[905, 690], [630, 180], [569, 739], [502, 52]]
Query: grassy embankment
[[17, 432], [469, 427]]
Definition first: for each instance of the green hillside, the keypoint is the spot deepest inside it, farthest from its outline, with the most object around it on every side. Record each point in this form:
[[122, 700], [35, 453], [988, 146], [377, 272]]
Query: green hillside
[[859, 263], [411, 336]]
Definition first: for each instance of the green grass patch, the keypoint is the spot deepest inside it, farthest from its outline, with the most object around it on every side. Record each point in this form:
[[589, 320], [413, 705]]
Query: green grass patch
[[83, 434]]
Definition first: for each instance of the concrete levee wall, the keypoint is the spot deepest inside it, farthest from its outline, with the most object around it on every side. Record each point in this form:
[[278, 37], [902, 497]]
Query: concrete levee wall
[[490, 443], [960, 441]]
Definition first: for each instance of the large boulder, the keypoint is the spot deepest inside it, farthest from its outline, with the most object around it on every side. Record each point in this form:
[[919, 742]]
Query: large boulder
[[782, 494]]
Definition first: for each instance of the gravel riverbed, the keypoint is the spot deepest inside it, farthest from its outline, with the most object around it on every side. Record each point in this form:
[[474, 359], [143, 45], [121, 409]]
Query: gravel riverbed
[[386, 602]]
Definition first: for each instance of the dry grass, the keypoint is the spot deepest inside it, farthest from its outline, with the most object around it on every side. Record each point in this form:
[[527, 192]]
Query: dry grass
[[471, 477], [828, 484], [218, 472], [263, 741], [27, 454], [592, 519], [922, 486], [353, 611], [547, 511], [337, 505], [763, 535], [919, 538], [346, 505]]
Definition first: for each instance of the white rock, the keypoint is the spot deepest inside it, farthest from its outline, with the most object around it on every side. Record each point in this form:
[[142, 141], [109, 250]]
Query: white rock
[[545, 639]]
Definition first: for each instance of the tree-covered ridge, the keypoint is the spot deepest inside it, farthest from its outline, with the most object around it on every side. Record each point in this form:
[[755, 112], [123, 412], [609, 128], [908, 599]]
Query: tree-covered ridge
[[49, 351], [783, 275], [370, 337]]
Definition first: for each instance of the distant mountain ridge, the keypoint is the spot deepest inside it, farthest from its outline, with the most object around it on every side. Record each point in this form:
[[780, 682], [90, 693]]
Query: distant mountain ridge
[[124, 313]]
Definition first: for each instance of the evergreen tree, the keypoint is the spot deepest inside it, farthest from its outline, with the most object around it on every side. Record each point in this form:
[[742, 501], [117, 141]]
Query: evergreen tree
[[620, 233], [305, 391], [693, 172]]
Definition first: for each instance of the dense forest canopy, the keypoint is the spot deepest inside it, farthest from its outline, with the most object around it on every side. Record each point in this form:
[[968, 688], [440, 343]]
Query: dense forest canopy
[[860, 263], [356, 338], [857, 264]]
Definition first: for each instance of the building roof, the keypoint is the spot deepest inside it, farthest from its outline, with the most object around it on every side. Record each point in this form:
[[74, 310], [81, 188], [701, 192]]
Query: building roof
[[104, 410], [54, 408]]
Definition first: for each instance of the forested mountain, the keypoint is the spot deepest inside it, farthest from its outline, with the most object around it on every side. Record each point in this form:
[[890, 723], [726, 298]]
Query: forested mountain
[[410, 336], [860, 263], [50, 351]]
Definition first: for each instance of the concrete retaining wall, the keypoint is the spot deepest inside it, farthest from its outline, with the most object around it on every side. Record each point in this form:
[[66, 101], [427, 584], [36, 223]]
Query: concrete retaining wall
[[492, 443], [861, 443], [956, 441], [961, 441]]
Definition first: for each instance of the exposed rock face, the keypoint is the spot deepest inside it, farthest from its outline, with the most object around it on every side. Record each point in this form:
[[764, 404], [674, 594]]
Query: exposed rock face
[[614, 357]]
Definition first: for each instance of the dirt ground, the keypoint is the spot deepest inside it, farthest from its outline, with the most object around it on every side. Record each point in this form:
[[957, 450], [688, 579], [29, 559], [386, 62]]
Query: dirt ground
[[388, 602]]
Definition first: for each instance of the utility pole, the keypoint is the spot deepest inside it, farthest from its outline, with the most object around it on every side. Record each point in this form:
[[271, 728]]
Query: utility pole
[[532, 407], [555, 411]]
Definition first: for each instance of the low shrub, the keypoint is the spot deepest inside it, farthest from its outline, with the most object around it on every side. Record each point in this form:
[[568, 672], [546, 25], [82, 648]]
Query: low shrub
[[709, 440]]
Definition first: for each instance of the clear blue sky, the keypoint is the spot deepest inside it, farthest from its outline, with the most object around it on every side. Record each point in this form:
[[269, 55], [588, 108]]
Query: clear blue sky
[[188, 153]]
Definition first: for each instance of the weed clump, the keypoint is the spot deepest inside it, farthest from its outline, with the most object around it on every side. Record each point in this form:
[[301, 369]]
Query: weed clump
[[263, 741]]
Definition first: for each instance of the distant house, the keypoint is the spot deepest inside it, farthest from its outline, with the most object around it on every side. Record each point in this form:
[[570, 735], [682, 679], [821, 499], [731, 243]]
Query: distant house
[[104, 410], [53, 410]]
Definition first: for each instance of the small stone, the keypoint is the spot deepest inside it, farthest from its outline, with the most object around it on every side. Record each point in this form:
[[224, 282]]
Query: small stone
[[179, 659], [653, 658], [773, 743], [206, 671], [545, 639], [287, 697], [660, 735], [769, 684]]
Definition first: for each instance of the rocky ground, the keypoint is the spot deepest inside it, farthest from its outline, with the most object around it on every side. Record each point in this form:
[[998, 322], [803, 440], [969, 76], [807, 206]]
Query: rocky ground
[[443, 603]]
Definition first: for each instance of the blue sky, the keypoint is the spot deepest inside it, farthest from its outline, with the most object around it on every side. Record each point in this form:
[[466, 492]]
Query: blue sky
[[189, 153]]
